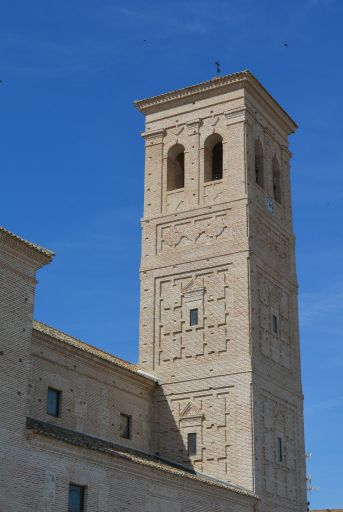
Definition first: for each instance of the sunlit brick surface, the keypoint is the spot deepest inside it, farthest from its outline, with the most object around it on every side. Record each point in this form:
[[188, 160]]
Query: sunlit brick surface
[[232, 378]]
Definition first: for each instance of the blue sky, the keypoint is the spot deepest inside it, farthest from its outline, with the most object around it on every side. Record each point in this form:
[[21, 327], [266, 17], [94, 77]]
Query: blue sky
[[70, 142]]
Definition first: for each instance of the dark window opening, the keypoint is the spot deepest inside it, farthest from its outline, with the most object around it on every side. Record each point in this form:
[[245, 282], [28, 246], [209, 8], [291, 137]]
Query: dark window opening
[[280, 449], [54, 402], [259, 164], [217, 161], [180, 171], [176, 168], [276, 181], [76, 499], [274, 322], [194, 317], [192, 444], [213, 155], [125, 426]]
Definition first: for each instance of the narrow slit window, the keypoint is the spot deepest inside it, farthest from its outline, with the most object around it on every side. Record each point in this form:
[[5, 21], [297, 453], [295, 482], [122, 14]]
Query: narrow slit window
[[54, 402], [217, 161], [275, 324], [192, 444], [125, 426], [276, 180], [76, 498], [280, 449], [259, 163], [194, 317]]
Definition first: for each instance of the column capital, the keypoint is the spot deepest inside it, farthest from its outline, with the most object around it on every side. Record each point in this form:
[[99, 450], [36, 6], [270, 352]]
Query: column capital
[[285, 153], [238, 115], [153, 136], [194, 126]]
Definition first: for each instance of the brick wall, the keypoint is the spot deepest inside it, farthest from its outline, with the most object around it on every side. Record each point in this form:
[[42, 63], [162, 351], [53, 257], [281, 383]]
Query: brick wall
[[18, 265], [213, 246], [94, 392]]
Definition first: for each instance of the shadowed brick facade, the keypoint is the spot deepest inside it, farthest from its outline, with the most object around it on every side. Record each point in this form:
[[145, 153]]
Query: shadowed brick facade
[[219, 343]]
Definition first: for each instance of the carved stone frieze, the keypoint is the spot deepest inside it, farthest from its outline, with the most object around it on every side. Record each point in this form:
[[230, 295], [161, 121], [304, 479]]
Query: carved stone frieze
[[175, 201], [214, 192], [193, 232], [177, 130]]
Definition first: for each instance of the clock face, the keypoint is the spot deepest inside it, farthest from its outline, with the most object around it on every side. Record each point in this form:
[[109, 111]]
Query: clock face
[[269, 205]]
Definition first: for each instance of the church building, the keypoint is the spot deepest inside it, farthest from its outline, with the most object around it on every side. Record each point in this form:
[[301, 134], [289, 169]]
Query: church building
[[211, 418]]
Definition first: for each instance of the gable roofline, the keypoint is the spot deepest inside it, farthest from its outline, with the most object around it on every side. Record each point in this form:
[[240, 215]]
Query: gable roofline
[[62, 337], [131, 455], [31, 249], [222, 83]]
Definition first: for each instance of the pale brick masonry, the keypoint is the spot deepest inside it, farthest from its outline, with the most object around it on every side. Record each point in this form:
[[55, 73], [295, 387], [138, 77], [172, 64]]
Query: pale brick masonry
[[211, 418]]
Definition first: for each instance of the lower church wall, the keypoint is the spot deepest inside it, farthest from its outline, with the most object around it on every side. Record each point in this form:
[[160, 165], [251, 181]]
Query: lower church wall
[[94, 393], [38, 482]]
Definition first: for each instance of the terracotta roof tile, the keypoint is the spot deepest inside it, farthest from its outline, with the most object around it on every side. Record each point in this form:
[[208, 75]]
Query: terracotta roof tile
[[90, 349], [12, 237], [130, 454]]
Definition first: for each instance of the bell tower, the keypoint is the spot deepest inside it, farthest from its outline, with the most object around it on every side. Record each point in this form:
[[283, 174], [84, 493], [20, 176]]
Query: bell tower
[[219, 321]]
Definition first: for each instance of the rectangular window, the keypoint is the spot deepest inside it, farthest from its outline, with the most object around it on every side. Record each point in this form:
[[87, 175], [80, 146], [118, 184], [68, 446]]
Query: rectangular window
[[54, 402], [280, 449], [76, 499], [275, 326], [193, 317], [192, 444], [125, 426]]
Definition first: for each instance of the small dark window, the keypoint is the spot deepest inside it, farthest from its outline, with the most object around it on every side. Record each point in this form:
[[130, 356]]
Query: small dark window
[[193, 317], [192, 444], [275, 326], [125, 426], [280, 449], [76, 500], [54, 402]]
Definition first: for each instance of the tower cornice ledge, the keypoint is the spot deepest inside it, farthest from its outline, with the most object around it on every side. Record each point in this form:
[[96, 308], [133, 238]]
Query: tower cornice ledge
[[214, 86]]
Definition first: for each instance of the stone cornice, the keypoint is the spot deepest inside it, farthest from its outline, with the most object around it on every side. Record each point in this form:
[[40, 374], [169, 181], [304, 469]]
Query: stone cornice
[[28, 250], [217, 85], [132, 455]]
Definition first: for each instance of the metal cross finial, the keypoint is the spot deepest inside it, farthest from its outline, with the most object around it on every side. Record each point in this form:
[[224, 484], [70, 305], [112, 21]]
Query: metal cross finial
[[217, 63]]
